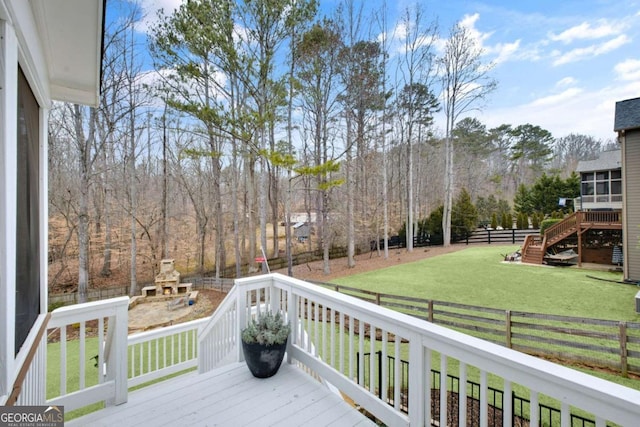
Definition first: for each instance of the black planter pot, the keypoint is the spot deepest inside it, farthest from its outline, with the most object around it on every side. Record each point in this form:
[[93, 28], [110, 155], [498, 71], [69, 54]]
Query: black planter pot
[[263, 360]]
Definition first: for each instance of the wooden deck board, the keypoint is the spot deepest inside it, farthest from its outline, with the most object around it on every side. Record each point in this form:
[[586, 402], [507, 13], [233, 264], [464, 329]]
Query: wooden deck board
[[230, 397]]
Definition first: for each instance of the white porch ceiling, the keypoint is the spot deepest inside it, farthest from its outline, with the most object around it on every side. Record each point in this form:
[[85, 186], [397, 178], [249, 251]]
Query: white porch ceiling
[[71, 34]]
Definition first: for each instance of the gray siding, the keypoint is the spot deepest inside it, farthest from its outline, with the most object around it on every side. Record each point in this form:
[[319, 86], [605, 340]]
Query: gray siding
[[632, 205]]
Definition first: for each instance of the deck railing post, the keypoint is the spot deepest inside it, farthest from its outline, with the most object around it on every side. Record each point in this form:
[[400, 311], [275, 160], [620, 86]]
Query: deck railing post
[[416, 381], [293, 303], [241, 310], [116, 349]]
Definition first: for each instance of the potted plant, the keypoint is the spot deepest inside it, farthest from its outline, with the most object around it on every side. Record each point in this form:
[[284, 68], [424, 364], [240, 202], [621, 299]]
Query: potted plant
[[264, 342]]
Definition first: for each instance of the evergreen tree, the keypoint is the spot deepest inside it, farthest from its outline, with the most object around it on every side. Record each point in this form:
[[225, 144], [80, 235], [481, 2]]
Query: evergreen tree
[[464, 218], [522, 200], [506, 221], [535, 220], [494, 221]]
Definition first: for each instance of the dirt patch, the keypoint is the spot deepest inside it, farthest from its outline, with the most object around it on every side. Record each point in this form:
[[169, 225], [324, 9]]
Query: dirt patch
[[150, 315]]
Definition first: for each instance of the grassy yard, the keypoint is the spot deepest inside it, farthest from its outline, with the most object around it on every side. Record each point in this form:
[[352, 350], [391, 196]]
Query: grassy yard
[[477, 276]]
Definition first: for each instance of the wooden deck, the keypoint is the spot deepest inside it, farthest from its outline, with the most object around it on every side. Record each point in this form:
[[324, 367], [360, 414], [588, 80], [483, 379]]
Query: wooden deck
[[231, 396]]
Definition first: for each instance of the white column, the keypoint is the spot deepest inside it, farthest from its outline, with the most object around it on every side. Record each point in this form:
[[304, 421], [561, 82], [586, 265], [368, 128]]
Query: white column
[[8, 164]]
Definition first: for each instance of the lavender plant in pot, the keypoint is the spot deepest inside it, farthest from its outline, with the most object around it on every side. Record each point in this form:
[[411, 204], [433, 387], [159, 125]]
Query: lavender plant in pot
[[264, 342]]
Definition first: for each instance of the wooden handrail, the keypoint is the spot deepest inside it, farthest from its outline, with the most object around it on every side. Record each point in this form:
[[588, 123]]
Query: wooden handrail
[[569, 222], [17, 385]]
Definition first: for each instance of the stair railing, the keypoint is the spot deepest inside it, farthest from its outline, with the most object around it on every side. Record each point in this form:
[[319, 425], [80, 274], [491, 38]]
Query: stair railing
[[570, 222]]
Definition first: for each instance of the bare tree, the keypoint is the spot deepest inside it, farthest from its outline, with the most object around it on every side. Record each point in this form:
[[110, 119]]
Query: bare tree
[[317, 75], [465, 82], [416, 103]]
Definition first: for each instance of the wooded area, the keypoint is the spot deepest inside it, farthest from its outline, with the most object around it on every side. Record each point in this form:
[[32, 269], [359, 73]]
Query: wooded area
[[230, 116]]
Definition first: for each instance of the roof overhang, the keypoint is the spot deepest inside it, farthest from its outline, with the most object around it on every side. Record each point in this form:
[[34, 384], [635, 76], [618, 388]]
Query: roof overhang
[[71, 32]]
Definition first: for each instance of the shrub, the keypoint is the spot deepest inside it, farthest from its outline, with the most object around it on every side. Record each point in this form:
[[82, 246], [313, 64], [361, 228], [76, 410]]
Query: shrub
[[548, 223], [269, 329], [535, 220]]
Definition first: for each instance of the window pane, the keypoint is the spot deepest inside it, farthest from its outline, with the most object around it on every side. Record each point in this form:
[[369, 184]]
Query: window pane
[[616, 174], [587, 188], [587, 176], [616, 187], [602, 175], [602, 188], [27, 220]]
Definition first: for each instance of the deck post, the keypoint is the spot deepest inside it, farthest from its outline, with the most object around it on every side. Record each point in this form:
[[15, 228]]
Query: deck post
[[116, 351], [241, 309], [416, 381], [293, 304]]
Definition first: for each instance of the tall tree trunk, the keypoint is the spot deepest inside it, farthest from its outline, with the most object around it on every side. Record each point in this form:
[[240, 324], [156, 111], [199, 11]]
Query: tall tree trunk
[[234, 196], [106, 259], [409, 160], [250, 182], [133, 203], [83, 204], [164, 237], [351, 234], [219, 218]]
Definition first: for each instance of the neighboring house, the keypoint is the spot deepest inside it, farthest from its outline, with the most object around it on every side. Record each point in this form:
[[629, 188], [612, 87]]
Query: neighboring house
[[627, 125], [297, 217], [49, 49], [601, 182]]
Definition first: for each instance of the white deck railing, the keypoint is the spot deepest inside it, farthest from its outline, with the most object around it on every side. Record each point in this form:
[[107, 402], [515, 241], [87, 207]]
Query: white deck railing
[[218, 339], [94, 335], [77, 385], [164, 351], [330, 336], [339, 328]]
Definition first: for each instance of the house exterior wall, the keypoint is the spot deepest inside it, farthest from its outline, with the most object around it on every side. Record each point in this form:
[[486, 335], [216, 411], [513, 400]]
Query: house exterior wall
[[14, 55], [600, 182], [631, 183]]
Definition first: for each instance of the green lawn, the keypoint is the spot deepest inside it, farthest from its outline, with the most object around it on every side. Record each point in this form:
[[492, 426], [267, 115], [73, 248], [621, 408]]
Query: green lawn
[[477, 276]]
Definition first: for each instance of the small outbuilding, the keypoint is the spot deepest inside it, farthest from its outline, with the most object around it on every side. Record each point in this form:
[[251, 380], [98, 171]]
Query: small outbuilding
[[302, 231]]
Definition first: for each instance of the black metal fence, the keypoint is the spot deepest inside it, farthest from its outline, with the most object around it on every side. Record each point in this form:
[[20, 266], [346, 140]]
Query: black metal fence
[[548, 415]]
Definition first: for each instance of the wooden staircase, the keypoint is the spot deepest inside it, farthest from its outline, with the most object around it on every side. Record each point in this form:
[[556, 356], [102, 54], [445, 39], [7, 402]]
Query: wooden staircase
[[534, 248]]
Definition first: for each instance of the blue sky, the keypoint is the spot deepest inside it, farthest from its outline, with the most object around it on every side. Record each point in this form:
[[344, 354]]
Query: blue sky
[[559, 64]]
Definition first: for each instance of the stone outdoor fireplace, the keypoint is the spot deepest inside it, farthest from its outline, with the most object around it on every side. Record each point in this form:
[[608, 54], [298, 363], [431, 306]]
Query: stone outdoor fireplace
[[167, 282]]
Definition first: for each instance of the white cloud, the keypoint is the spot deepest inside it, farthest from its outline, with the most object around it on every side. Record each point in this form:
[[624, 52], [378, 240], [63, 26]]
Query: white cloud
[[504, 51], [469, 22], [588, 52], [150, 12], [585, 31], [567, 81], [556, 99], [501, 52], [628, 70], [575, 110]]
